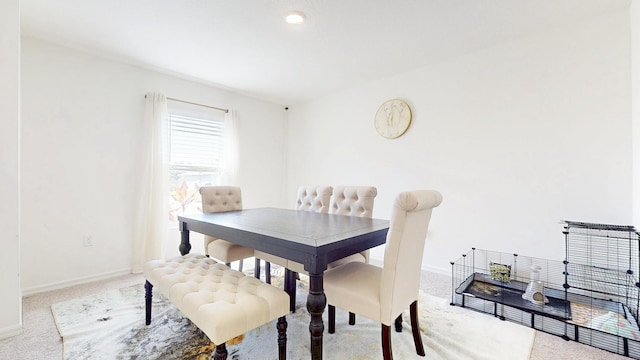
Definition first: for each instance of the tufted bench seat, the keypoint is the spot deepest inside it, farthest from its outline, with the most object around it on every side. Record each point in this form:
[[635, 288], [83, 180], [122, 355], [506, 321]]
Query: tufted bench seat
[[222, 302]]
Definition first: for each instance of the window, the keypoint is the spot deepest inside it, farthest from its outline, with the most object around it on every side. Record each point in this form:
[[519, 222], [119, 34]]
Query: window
[[196, 144]]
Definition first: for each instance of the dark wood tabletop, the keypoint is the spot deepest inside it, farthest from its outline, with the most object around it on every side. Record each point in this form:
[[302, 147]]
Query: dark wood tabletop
[[310, 238]]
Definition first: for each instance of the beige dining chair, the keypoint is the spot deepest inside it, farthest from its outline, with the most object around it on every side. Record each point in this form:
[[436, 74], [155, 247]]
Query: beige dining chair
[[382, 293], [345, 200], [315, 198], [353, 201], [309, 198], [221, 199]]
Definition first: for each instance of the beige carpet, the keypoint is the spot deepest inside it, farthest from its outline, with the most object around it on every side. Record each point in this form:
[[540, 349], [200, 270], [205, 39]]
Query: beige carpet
[[110, 325]]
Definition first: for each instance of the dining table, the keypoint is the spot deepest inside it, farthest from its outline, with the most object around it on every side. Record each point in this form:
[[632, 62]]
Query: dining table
[[310, 238]]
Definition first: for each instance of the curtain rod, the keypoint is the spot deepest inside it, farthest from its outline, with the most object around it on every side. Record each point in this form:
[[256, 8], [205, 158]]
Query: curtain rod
[[192, 103]]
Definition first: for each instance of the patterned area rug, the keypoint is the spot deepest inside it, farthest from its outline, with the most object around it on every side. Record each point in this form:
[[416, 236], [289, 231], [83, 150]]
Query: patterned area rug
[[110, 325]]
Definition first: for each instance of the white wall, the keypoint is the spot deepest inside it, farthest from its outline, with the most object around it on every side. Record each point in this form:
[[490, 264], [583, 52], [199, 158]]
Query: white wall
[[10, 296], [81, 118], [516, 137], [634, 9]]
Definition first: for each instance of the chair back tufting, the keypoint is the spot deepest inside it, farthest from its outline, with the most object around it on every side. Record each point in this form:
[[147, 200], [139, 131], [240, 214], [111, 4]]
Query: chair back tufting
[[314, 198], [353, 200], [219, 199]]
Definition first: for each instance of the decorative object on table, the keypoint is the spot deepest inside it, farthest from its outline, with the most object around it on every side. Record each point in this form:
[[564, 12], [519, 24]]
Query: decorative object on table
[[448, 332], [535, 289], [392, 118], [500, 272]]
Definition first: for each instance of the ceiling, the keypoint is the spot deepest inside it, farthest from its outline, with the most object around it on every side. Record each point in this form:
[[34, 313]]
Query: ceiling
[[245, 45]]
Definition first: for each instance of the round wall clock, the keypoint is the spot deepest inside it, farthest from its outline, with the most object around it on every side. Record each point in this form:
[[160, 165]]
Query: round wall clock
[[392, 118]]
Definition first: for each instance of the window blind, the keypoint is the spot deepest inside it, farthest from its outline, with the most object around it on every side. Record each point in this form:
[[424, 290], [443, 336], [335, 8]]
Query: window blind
[[195, 144]]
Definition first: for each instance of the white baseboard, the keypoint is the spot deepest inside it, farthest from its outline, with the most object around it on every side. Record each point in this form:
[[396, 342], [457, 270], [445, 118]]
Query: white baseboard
[[437, 270], [10, 331], [378, 261], [77, 281]]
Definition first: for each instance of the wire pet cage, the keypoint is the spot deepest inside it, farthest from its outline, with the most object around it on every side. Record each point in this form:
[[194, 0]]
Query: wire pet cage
[[591, 297]]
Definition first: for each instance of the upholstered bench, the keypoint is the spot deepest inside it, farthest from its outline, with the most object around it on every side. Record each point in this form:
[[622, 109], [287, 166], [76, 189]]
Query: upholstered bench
[[222, 302]]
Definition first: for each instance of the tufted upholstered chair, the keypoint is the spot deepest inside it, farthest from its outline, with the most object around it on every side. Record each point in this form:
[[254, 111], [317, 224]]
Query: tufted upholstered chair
[[309, 198], [382, 294], [344, 200], [351, 201], [221, 199], [314, 198]]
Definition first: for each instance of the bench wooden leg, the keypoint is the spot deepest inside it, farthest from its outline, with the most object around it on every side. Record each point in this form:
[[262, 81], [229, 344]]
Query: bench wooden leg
[[221, 352], [282, 338], [148, 290]]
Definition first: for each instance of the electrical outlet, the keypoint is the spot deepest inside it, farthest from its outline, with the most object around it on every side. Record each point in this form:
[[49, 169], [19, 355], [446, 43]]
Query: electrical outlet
[[87, 240]]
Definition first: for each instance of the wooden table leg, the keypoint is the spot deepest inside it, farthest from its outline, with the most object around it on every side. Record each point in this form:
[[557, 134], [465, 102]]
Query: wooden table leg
[[316, 302]]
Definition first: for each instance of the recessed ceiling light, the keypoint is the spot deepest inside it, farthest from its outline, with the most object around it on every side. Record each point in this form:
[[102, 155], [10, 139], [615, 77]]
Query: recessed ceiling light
[[295, 17]]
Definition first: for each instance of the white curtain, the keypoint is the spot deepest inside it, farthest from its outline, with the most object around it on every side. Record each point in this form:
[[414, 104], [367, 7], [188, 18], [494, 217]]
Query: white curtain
[[230, 173], [150, 225]]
